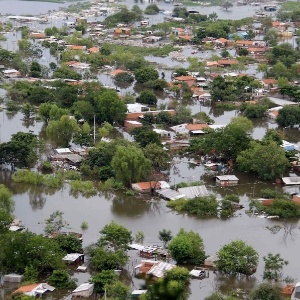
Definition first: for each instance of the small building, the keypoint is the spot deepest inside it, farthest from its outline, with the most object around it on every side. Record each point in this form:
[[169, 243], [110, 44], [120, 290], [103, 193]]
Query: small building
[[36, 289], [227, 62], [189, 80], [296, 199], [13, 278], [291, 180], [81, 268], [11, 73], [137, 293], [74, 258], [150, 185], [153, 268], [225, 180], [85, 290], [137, 108]]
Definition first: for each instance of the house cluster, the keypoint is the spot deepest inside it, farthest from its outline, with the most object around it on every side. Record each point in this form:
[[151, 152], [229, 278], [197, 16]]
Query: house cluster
[[76, 260]]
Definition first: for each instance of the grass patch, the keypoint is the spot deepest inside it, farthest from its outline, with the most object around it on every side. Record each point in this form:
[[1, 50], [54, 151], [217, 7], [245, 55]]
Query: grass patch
[[85, 188], [290, 6], [27, 176]]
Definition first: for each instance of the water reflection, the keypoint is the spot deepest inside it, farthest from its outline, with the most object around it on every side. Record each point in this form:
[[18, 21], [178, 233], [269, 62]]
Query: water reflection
[[129, 206]]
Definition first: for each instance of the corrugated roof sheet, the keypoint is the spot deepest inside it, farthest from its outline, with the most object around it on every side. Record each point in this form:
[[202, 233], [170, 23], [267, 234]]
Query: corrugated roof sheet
[[170, 194], [191, 192]]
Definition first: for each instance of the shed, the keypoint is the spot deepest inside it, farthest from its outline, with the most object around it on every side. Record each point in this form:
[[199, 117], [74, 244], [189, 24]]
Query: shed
[[63, 151], [85, 290], [192, 192], [227, 180], [74, 258], [13, 278]]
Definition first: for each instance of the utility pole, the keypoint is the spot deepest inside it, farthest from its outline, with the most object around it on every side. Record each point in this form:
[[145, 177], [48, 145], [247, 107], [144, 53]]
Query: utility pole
[[94, 129]]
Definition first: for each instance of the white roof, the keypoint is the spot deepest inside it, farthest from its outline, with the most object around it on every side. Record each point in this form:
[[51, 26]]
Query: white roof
[[291, 180], [136, 247], [227, 177], [83, 287], [159, 269], [191, 192], [134, 122], [9, 71], [63, 150], [139, 292], [72, 256], [170, 194]]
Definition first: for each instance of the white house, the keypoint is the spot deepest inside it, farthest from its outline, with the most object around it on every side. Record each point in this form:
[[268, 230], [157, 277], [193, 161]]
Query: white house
[[84, 290]]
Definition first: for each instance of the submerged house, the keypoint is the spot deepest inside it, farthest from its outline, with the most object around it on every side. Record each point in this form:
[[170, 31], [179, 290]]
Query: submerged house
[[74, 258], [153, 268], [224, 180], [36, 289], [85, 290]]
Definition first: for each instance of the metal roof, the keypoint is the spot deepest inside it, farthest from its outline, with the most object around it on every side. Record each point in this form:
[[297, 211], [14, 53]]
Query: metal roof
[[191, 192], [170, 194]]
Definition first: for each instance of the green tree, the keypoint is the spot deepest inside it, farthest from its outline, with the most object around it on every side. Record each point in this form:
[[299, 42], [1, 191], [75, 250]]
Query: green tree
[[151, 9], [187, 248], [145, 135], [109, 108], [227, 5], [237, 258], [164, 27], [69, 243], [103, 259], [83, 137], [35, 70], [165, 236], [274, 264], [5, 221], [61, 280], [116, 236], [139, 237], [29, 249], [21, 151], [118, 290], [147, 97], [55, 222], [174, 285], [267, 291], [130, 164], [271, 37], [159, 157], [100, 280], [268, 160], [7, 204], [288, 116], [62, 131], [124, 77], [145, 74]]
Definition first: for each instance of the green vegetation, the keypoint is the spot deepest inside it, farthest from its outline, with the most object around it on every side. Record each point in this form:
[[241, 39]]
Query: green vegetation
[[268, 160], [26, 176], [174, 285], [61, 280], [267, 291], [201, 206], [187, 248], [85, 188], [237, 258], [273, 266], [283, 208]]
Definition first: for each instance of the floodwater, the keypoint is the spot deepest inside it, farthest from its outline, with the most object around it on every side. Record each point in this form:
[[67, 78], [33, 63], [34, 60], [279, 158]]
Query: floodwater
[[34, 204]]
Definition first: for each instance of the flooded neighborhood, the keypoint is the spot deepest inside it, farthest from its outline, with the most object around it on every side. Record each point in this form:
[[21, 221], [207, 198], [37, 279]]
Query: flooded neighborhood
[[149, 149]]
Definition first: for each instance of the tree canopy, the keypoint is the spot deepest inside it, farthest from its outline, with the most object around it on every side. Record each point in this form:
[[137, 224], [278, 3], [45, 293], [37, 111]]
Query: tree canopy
[[187, 247], [237, 258]]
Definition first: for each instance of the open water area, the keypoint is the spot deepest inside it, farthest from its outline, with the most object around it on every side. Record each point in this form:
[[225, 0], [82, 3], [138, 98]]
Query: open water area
[[150, 214]]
